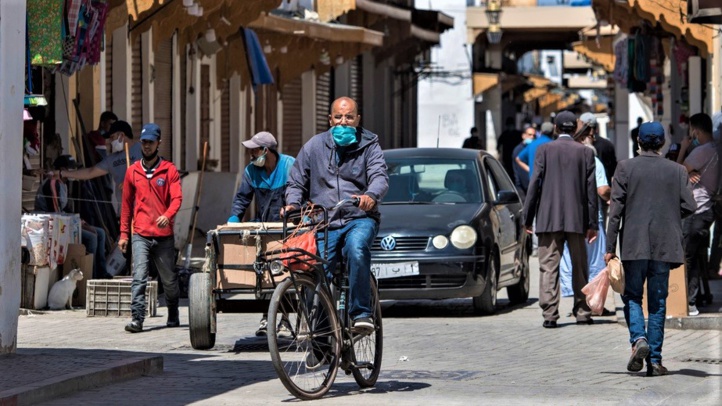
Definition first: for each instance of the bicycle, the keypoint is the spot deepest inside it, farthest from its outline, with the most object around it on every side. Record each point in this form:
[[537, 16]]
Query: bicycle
[[315, 310]]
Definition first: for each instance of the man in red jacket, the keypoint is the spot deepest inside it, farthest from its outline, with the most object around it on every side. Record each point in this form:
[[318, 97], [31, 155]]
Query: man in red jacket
[[151, 198]]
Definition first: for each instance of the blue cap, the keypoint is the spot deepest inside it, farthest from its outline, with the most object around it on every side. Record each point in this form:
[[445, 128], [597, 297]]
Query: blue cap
[[151, 132], [651, 132]]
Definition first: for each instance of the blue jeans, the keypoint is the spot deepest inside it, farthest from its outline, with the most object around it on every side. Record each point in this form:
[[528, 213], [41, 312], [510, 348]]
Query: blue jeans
[[353, 241], [657, 275], [161, 250], [95, 244]]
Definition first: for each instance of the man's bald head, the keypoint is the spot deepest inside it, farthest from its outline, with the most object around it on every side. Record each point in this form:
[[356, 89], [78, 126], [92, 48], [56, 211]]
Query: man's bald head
[[344, 111]]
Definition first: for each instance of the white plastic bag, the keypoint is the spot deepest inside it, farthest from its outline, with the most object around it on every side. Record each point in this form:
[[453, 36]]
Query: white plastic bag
[[596, 291]]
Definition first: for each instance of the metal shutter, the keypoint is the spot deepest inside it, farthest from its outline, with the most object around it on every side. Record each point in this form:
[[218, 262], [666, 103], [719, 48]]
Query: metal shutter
[[292, 118], [323, 101], [108, 73], [226, 128], [356, 82], [136, 89], [184, 86], [259, 109], [272, 109], [164, 96], [205, 110]]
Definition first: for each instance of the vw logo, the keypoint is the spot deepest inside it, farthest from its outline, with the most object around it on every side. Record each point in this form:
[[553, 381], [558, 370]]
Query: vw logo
[[388, 243]]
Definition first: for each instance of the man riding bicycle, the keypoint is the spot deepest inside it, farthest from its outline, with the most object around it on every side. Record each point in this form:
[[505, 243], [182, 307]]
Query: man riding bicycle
[[345, 161]]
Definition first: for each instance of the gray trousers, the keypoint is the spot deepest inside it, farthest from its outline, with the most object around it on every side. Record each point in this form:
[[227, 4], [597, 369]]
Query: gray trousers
[[551, 247]]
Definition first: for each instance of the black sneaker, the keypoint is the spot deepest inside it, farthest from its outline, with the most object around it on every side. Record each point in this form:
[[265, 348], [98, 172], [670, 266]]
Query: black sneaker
[[363, 325], [134, 326], [173, 320], [656, 369], [640, 350], [263, 328]]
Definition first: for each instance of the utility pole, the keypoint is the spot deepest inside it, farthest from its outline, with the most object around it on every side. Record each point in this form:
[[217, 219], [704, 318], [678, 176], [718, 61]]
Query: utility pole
[[12, 90]]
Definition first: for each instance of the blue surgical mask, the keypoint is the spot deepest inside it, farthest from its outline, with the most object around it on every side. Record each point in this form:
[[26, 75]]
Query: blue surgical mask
[[695, 142], [343, 135], [527, 141]]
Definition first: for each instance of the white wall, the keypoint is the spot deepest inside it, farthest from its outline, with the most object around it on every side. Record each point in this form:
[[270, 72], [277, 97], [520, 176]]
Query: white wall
[[446, 105], [12, 64]]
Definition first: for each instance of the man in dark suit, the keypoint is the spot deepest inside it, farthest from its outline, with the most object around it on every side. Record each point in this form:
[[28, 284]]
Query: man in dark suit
[[650, 196], [562, 196]]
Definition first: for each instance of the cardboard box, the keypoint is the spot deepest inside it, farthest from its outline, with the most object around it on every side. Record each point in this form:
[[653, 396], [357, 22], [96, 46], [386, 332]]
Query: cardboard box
[[77, 258], [241, 248], [677, 296]]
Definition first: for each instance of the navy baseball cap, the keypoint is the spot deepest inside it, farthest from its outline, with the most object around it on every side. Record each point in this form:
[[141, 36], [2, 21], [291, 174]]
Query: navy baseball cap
[[151, 132], [565, 119], [651, 132]]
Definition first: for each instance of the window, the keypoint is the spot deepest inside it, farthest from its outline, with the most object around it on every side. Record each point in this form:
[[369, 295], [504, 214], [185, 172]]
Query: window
[[497, 178], [426, 179]]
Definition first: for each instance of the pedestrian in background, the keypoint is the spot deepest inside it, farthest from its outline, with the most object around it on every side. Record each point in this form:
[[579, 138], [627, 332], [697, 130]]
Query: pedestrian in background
[[521, 177], [562, 197], [151, 198], [265, 180], [473, 142], [702, 166], [650, 196], [634, 135]]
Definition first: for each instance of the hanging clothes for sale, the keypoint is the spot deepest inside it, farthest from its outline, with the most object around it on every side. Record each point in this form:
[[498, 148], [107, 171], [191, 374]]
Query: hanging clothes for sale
[[44, 24]]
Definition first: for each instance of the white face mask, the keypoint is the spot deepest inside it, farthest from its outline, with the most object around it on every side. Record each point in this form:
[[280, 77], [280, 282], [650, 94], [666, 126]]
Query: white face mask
[[117, 145], [260, 160]]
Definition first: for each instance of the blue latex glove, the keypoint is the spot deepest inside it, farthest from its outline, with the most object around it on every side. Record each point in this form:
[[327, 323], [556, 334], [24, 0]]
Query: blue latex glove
[[234, 219]]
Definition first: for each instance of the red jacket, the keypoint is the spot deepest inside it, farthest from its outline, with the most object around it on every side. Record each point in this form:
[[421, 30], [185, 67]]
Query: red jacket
[[149, 199]]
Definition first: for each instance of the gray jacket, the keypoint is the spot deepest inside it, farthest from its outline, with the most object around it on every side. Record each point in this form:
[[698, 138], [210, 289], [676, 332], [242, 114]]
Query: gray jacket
[[650, 196], [325, 174]]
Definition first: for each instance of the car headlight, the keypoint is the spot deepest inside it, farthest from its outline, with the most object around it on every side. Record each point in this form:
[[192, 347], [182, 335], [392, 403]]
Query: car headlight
[[440, 242], [463, 237]]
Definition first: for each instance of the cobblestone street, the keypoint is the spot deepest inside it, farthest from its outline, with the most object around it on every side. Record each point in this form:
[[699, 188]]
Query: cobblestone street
[[438, 352]]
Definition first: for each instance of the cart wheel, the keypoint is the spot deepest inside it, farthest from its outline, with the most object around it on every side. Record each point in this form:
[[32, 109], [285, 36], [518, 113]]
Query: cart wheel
[[200, 312]]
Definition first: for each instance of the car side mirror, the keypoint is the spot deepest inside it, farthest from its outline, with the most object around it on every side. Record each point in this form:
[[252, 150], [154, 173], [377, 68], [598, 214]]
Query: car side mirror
[[506, 197]]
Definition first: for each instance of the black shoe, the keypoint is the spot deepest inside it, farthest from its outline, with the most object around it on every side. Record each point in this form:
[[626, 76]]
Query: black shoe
[[587, 321], [608, 313], [640, 350], [134, 326], [655, 369], [173, 320], [550, 324]]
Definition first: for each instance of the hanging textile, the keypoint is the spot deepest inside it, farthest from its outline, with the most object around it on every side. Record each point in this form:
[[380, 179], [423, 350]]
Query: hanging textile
[[45, 40], [260, 72], [621, 62], [85, 30]]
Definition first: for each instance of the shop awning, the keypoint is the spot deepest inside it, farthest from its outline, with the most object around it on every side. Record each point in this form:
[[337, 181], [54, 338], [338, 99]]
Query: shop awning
[[704, 11], [600, 51], [541, 86], [627, 13], [318, 31], [484, 81]]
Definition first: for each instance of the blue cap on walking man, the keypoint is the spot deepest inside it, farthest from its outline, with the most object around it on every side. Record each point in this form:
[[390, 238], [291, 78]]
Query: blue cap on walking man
[[151, 132]]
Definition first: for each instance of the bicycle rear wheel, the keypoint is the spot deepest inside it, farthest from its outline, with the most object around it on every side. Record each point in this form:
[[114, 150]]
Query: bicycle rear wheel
[[303, 337], [368, 348]]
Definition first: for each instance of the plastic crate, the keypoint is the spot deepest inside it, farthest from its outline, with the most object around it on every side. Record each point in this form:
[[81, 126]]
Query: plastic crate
[[112, 298]]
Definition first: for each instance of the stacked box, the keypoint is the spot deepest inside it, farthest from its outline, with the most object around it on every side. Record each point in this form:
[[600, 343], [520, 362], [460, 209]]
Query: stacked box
[[112, 298]]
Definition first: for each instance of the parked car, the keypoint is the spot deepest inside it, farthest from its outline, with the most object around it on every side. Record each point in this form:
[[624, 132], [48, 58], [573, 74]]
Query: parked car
[[451, 227]]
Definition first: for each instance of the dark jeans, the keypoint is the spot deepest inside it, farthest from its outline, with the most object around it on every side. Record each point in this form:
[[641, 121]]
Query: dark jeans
[[162, 252], [95, 244], [656, 274], [353, 241], [696, 240]]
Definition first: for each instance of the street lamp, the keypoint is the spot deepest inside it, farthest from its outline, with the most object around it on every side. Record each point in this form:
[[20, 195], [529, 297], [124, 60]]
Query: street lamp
[[493, 11], [493, 33]]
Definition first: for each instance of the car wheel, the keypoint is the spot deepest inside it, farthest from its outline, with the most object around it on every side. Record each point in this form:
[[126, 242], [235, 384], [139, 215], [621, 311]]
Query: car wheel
[[519, 293], [486, 302]]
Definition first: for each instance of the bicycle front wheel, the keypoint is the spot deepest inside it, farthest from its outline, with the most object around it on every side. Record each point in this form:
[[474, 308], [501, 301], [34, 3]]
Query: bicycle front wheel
[[304, 337], [368, 348]]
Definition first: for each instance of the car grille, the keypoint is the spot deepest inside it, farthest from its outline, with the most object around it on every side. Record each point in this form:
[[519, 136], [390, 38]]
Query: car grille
[[403, 244], [423, 282]]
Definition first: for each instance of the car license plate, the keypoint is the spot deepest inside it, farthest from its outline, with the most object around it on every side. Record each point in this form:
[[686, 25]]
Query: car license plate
[[395, 270]]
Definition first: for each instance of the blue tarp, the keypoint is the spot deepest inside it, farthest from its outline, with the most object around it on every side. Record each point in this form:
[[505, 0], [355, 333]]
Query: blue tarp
[[256, 59]]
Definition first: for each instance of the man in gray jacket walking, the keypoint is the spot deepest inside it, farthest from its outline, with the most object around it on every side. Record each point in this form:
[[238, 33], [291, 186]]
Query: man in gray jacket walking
[[650, 196], [341, 163]]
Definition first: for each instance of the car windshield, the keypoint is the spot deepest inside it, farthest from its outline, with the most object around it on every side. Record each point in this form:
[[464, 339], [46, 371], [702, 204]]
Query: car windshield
[[435, 181]]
